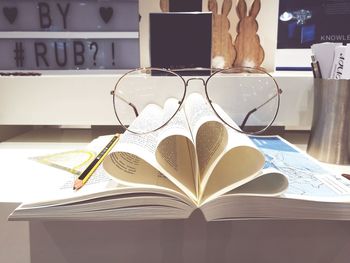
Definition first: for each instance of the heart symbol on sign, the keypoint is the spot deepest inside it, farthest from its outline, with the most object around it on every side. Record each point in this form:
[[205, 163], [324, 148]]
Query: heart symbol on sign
[[10, 13], [106, 13]]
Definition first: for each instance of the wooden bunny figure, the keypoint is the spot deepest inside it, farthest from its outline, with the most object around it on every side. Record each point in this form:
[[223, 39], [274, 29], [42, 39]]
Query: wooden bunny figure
[[249, 52], [223, 52], [164, 5]]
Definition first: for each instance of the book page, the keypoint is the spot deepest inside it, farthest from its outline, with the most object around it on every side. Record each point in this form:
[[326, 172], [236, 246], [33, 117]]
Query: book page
[[99, 183], [237, 164], [198, 112], [308, 178], [176, 155], [77, 160], [134, 158], [227, 158], [314, 190], [50, 193], [211, 140], [54, 171], [269, 182], [131, 170], [49, 184], [209, 135], [236, 167]]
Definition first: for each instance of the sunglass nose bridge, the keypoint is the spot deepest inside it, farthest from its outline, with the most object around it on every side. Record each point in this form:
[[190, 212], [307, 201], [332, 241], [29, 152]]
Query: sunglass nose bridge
[[187, 81]]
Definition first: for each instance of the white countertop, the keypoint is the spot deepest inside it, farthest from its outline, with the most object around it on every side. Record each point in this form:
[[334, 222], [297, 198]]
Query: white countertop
[[191, 240]]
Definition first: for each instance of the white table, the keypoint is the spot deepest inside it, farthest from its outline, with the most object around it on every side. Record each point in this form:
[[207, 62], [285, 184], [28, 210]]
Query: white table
[[192, 240]]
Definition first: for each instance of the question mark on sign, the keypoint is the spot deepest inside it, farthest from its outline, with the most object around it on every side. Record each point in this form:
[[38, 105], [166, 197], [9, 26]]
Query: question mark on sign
[[94, 44]]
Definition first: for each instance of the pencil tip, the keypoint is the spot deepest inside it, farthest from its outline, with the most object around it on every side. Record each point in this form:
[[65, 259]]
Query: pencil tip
[[77, 185]]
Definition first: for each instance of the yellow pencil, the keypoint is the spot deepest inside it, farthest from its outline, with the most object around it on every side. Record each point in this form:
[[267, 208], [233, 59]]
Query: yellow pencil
[[84, 177]]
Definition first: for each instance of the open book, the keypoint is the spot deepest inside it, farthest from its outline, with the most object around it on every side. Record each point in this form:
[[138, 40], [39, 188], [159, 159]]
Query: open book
[[196, 162]]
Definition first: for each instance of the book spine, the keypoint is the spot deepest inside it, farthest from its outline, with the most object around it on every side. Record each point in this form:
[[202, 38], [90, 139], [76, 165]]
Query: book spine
[[346, 69], [338, 62]]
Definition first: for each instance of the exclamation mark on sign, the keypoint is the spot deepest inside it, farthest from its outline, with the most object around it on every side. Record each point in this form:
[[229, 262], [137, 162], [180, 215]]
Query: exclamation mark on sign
[[113, 57]]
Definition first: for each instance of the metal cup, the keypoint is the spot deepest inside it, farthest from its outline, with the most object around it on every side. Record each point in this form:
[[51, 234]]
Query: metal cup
[[330, 132]]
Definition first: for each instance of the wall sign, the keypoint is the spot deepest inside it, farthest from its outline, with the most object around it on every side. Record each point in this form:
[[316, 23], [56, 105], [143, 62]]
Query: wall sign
[[76, 34], [43, 54], [302, 23], [81, 15]]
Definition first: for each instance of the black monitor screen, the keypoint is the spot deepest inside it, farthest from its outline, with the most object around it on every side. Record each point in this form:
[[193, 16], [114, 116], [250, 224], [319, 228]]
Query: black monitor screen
[[180, 40], [185, 5]]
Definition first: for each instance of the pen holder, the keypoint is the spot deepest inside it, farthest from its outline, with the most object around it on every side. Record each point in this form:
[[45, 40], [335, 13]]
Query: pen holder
[[330, 132]]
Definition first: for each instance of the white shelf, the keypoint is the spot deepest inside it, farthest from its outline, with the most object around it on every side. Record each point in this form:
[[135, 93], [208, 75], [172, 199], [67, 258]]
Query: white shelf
[[67, 35], [83, 98]]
